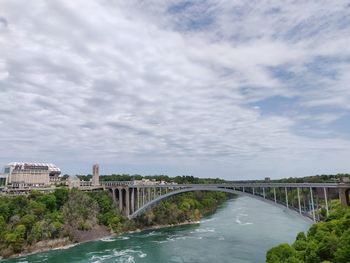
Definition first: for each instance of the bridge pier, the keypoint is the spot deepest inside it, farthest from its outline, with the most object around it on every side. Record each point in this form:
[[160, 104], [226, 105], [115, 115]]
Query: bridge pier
[[143, 196], [132, 200], [312, 205], [299, 200], [344, 197], [113, 195], [326, 200], [285, 189], [120, 200], [127, 203], [264, 192]]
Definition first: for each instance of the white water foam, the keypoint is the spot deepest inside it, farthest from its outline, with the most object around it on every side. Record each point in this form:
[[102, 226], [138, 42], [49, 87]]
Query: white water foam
[[242, 214], [127, 255], [153, 233], [205, 230], [207, 220], [65, 247], [107, 239], [238, 221]]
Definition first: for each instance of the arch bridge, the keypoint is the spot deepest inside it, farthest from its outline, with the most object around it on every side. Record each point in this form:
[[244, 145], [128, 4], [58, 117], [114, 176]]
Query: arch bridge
[[307, 199]]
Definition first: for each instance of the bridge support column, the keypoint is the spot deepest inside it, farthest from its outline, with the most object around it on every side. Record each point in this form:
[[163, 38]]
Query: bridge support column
[[274, 194], [143, 196], [132, 200], [149, 194], [344, 197], [253, 191], [243, 190], [114, 198], [285, 189], [299, 200], [264, 192], [137, 199], [120, 200], [127, 210], [312, 204], [326, 200]]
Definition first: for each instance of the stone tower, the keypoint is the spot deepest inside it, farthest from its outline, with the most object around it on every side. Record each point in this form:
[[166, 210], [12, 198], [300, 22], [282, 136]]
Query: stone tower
[[95, 175]]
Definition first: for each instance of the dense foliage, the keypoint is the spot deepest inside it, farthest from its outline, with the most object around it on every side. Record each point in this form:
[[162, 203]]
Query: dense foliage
[[184, 207], [327, 241], [25, 220]]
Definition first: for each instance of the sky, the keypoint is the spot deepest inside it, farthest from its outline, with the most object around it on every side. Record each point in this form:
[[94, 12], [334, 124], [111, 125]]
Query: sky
[[209, 88]]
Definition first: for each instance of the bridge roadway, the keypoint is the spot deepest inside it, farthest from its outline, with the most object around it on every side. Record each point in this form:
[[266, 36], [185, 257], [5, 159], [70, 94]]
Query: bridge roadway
[[308, 199]]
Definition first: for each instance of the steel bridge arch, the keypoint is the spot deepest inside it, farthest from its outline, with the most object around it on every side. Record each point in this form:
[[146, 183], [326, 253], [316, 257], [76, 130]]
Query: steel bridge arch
[[157, 200]]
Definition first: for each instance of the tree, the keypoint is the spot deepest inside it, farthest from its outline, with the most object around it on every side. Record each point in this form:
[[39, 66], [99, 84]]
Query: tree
[[342, 254], [49, 200], [280, 254], [61, 195], [78, 209], [15, 239], [37, 208], [35, 234], [28, 221]]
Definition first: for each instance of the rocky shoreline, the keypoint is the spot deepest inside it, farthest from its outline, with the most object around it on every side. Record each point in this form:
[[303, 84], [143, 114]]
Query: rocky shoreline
[[83, 237]]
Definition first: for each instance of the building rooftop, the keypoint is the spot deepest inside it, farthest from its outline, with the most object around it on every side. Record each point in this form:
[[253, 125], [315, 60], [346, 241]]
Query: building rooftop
[[51, 167]]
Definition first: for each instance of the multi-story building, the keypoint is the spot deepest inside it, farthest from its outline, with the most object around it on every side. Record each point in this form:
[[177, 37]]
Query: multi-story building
[[21, 175]]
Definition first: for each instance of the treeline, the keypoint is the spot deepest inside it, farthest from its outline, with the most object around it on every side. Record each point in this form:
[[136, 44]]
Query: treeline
[[186, 207], [326, 242], [315, 178], [184, 179]]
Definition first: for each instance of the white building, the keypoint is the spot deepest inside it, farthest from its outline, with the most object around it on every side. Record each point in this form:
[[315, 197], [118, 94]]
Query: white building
[[21, 175]]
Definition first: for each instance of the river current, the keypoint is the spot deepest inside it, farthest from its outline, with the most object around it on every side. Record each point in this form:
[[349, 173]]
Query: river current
[[241, 231]]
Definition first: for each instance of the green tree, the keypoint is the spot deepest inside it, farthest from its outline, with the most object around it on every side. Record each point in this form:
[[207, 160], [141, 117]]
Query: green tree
[[61, 195], [49, 200], [280, 254], [342, 254], [35, 234]]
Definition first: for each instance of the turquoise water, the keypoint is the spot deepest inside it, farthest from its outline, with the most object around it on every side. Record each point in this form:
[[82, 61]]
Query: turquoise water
[[242, 230]]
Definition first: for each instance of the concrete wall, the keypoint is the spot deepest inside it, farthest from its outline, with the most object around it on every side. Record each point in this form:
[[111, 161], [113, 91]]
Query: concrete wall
[[30, 177]]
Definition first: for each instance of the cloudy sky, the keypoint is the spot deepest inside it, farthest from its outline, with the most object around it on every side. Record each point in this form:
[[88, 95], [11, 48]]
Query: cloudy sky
[[216, 88]]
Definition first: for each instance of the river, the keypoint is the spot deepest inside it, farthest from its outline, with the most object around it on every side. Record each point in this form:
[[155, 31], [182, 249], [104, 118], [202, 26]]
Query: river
[[241, 231]]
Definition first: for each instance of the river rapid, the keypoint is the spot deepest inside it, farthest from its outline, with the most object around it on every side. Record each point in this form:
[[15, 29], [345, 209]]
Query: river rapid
[[241, 231]]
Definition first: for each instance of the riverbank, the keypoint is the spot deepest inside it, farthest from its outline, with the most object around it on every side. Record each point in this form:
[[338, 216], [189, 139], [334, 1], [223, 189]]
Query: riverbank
[[88, 236]]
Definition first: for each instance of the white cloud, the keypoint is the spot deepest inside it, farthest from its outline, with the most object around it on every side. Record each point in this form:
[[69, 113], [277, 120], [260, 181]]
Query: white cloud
[[126, 85]]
